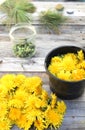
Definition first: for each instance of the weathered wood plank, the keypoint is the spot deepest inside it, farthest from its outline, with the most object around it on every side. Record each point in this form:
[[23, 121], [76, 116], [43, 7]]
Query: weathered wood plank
[[77, 7], [51, 4], [31, 65], [67, 28], [73, 123], [76, 17], [76, 112], [44, 43]]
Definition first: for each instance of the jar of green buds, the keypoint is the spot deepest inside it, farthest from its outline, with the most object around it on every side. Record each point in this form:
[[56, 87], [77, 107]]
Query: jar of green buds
[[23, 36]]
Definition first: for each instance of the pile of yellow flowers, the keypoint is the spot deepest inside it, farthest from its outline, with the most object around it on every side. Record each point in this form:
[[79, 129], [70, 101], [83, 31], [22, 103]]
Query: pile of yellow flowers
[[70, 66], [23, 102]]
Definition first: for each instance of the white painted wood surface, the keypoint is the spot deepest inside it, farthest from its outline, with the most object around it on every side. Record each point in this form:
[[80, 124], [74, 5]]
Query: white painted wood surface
[[72, 33]]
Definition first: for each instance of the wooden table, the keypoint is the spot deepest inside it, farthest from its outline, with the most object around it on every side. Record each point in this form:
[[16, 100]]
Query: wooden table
[[72, 33]]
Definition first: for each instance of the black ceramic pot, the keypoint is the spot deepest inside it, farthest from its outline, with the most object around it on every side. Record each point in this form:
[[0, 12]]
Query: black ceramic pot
[[64, 89]]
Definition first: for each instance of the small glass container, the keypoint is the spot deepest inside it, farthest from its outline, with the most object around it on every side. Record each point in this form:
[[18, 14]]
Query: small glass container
[[23, 36]]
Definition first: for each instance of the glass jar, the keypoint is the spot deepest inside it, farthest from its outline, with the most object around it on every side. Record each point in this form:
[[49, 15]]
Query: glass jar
[[23, 36]]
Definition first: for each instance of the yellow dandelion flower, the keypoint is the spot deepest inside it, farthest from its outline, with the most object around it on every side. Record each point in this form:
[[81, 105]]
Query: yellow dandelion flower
[[38, 103], [56, 59], [32, 113], [38, 90], [61, 107], [53, 68], [44, 95], [14, 114], [78, 74], [31, 83], [53, 117], [81, 65], [3, 109], [16, 103], [7, 77], [18, 99], [5, 124], [54, 100], [39, 124], [21, 95], [80, 55], [34, 102], [3, 90], [41, 103], [71, 56], [65, 75], [8, 81], [31, 101], [68, 63], [44, 99], [22, 121], [28, 124], [10, 85], [19, 79]]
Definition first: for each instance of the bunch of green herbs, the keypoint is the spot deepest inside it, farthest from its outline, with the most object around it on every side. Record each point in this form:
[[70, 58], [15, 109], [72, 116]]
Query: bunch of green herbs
[[17, 11], [52, 19], [24, 50]]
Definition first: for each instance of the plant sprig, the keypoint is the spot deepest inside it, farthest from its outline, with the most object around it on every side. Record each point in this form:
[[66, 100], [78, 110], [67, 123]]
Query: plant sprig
[[17, 11], [52, 19]]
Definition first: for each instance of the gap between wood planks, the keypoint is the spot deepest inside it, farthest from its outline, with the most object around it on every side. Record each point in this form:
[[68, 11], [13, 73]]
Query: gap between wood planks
[[20, 65]]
